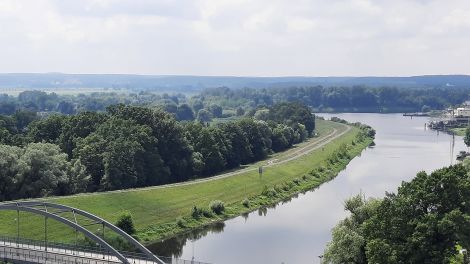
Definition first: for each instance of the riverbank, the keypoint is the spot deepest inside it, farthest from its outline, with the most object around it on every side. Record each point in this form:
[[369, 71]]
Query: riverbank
[[459, 131], [164, 211], [293, 183]]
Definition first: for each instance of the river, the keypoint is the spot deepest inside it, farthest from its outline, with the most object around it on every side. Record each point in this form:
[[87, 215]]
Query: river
[[297, 231]]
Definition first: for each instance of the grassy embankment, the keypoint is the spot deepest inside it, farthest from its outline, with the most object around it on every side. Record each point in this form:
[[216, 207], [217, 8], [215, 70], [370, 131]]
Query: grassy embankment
[[163, 212], [459, 131]]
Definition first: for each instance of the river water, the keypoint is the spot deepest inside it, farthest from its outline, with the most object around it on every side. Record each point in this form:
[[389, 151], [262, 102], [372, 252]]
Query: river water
[[297, 231]]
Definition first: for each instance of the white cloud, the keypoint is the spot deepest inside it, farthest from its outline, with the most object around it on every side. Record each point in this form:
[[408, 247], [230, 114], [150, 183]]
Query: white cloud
[[236, 37]]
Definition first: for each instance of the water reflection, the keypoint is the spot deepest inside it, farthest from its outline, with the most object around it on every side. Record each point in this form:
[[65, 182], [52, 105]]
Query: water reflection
[[174, 246], [297, 229]]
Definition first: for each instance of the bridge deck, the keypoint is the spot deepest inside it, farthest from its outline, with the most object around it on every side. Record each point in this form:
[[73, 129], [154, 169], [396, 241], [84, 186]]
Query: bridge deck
[[29, 253]]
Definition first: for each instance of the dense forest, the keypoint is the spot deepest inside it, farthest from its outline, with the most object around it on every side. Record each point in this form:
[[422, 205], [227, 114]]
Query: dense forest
[[426, 221], [133, 146]]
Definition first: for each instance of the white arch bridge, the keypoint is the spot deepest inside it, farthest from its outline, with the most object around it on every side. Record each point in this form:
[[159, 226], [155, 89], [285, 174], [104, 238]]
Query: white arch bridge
[[26, 251]]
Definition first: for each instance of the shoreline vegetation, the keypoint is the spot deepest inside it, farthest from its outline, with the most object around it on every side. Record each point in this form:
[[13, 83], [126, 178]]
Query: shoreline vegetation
[[161, 213]]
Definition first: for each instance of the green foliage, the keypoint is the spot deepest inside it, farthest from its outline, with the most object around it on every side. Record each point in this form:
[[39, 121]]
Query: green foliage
[[181, 222], [184, 112], [422, 223], [131, 146], [39, 169], [126, 223], [466, 138], [269, 192], [347, 245], [340, 99], [217, 206], [246, 203], [204, 116]]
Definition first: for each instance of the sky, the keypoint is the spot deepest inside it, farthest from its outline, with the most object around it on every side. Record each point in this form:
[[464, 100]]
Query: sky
[[236, 37]]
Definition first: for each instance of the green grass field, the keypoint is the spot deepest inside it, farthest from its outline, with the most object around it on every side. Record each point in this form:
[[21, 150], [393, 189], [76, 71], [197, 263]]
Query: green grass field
[[156, 209]]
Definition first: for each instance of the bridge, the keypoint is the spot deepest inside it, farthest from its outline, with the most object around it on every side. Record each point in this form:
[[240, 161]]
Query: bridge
[[26, 251]]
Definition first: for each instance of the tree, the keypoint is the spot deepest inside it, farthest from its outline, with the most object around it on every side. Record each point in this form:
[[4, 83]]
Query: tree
[[292, 113], [241, 152], [24, 118], [259, 136], [65, 107], [173, 147], [46, 130], [122, 154], [424, 221], [10, 167], [205, 141], [44, 169], [348, 242], [204, 116], [282, 137], [184, 112], [466, 138], [78, 126], [197, 105], [216, 110], [126, 223]]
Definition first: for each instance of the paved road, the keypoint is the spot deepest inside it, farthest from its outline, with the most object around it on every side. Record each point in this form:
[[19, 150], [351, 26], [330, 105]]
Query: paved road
[[292, 155]]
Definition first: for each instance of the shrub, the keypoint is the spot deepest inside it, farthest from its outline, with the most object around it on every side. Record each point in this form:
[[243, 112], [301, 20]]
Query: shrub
[[285, 187], [246, 202], [196, 212], [180, 222], [296, 181], [304, 177], [207, 213], [217, 206], [126, 223], [269, 192]]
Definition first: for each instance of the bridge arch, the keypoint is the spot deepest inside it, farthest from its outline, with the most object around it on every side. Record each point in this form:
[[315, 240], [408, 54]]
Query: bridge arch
[[41, 208]]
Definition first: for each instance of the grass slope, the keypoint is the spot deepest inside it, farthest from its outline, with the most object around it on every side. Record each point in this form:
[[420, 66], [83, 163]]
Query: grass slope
[[155, 210]]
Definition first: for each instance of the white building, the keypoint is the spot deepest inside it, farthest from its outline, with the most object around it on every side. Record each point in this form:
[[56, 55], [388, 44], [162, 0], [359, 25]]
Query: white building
[[462, 112]]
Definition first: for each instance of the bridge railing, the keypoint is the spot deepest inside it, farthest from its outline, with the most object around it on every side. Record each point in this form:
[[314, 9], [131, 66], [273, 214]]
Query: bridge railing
[[86, 253]]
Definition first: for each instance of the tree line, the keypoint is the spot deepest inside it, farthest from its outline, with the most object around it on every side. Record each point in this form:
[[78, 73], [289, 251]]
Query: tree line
[[133, 146], [426, 221], [225, 102], [352, 98]]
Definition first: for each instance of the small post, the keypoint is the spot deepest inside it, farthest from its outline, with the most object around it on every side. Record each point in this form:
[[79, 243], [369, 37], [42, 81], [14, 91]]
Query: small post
[[260, 171], [17, 227]]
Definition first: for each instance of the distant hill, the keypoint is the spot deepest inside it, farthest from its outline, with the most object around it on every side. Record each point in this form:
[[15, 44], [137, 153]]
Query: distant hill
[[196, 83]]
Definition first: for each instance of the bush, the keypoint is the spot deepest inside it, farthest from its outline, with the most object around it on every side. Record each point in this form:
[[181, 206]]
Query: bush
[[269, 192], [180, 222], [217, 206], [296, 181], [196, 212], [126, 223], [285, 187], [304, 177], [246, 202], [207, 213]]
